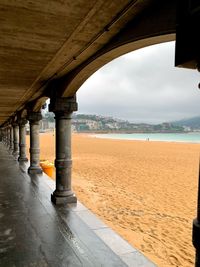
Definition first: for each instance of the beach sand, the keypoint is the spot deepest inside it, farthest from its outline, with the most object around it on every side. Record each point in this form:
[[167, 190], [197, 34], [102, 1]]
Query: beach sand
[[146, 191]]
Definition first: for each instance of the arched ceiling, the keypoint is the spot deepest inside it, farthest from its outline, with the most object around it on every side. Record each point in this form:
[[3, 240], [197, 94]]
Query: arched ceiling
[[55, 46]]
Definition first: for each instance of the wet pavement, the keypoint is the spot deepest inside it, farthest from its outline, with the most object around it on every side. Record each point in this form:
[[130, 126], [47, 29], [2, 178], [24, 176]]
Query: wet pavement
[[34, 232]]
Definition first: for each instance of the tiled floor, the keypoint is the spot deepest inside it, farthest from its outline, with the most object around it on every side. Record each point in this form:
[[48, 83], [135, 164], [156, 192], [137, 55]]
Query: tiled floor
[[34, 232]]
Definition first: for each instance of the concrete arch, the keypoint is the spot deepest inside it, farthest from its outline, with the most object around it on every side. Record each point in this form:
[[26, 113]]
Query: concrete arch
[[72, 86], [37, 105], [153, 27]]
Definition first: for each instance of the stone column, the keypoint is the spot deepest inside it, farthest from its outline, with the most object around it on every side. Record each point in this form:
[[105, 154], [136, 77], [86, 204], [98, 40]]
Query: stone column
[[9, 133], [11, 138], [4, 136], [22, 140], [16, 139], [8, 136], [5, 132], [34, 119], [63, 109], [1, 136]]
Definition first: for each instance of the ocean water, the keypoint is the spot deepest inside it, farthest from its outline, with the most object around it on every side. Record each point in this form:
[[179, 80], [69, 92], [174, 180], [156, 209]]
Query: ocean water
[[166, 137]]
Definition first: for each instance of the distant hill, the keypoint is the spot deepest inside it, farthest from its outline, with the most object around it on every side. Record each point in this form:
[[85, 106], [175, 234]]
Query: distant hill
[[193, 123], [98, 123]]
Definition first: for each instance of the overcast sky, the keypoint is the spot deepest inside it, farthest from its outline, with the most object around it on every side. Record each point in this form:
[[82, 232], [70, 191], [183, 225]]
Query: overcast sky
[[142, 86]]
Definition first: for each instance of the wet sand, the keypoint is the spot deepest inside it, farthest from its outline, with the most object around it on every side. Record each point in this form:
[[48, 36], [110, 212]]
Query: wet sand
[[146, 191]]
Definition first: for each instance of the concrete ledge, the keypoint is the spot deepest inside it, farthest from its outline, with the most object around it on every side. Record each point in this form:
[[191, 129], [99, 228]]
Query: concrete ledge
[[91, 220], [127, 253], [114, 241], [136, 259]]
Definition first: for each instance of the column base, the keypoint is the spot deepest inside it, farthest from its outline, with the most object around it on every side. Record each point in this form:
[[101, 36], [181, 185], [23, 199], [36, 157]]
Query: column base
[[22, 159], [61, 200], [15, 155], [34, 170]]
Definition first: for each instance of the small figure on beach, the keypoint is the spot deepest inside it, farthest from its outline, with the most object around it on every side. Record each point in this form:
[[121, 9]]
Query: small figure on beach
[[147, 139]]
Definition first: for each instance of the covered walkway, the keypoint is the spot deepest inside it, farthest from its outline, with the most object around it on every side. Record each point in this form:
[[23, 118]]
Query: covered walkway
[[35, 232]]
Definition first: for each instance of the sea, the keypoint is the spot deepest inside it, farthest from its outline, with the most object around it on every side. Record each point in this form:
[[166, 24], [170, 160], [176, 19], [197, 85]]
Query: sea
[[165, 137]]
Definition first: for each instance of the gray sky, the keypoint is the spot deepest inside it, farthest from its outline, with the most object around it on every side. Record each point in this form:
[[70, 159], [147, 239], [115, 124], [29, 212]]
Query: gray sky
[[142, 86]]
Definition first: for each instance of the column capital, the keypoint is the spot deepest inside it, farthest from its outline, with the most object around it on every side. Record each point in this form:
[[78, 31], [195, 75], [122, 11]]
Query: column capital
[[34, 116], [15, 124], [22, 121], [63, 104]]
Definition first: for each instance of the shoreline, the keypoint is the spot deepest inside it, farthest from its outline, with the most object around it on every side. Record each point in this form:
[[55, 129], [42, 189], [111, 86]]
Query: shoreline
[[148, 139]]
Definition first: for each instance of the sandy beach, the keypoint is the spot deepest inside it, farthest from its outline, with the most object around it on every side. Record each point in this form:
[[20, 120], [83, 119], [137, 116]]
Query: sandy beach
[[146, 191]]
